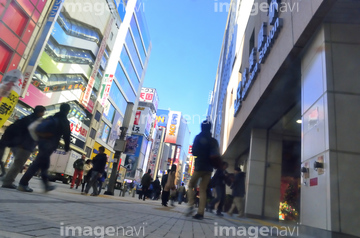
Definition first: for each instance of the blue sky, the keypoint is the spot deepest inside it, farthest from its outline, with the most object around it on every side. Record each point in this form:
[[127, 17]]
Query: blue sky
[[186, 38]]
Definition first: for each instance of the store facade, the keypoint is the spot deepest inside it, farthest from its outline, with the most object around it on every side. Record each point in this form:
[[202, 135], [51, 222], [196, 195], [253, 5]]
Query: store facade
[[285, 113]]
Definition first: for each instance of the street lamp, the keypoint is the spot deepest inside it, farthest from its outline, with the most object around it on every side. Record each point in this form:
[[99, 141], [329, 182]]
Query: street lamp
[[119, 148]]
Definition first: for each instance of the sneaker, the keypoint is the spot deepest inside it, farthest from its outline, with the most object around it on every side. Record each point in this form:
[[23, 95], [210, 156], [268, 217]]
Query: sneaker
[[49, 188], [198, 217], [24, 188], [189, 211], [219, 214], [11, 186]]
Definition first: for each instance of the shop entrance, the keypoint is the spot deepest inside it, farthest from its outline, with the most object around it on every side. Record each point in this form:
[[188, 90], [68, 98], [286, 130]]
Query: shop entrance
[[289, 126]]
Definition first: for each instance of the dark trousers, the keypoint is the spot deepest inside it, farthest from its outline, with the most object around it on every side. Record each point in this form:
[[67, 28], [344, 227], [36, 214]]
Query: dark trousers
[[165, 197], [220, 196], [145, 192], [42, 162]]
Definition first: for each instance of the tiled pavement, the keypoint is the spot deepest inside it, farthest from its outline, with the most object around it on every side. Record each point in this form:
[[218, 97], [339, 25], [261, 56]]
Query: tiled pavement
[[66, 213]]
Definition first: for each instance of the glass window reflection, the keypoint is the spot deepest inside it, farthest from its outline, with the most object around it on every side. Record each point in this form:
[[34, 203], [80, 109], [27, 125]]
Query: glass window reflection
[[129, 68], [133, 53], [139, 44], [117, 97], [125, 85]]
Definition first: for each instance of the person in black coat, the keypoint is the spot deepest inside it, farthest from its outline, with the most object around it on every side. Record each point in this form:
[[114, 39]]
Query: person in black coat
[[219, 178], [17, 137], [48, 142], [99, 163], [238, 192]]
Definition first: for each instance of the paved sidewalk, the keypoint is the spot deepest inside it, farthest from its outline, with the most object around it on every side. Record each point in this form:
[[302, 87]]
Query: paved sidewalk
[[65, 212]]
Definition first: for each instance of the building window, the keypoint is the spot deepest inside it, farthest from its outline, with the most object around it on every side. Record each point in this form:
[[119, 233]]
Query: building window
[[88, 151], [5, 57], [15, 18], [252, 42], [92, 133], [97, 116]]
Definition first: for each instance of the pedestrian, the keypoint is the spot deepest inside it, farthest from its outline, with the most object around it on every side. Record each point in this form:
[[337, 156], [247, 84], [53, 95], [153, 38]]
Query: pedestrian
[[164, 179], [101, 181], [238, 192], [78, 172], [157, 189], [145, 182], [206, 150], [219, 181], [17, 137], [181, 193], [87, 173], [170, 186], [49, 132], [99, 163]]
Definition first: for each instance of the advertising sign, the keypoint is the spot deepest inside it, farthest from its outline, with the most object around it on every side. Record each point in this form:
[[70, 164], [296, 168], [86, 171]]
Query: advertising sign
[[142, 121], [162, 117], [115, 129], [131, 161], [172, 128], [78, 129], [149, 95], [105, 88], [177, 155], [85, 97]]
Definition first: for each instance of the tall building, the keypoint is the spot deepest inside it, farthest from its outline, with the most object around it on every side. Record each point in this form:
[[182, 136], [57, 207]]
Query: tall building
[[90, 54], [283, 98]]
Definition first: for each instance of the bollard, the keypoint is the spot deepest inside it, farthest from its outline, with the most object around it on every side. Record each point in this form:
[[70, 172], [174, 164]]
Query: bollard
[[133, 193]]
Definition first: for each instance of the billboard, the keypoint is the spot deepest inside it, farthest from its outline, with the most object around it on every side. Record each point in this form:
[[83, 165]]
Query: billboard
[[162, 117], [115, 129], [131, 161], [142, 121], [172, 129], [149, 95]]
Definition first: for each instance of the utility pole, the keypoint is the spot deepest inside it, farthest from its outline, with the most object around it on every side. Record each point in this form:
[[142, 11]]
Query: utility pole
[[119, 148]]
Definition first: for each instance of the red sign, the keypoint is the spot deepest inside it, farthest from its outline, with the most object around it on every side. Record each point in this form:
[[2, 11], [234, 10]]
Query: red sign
[[313, 182], [190, 150]]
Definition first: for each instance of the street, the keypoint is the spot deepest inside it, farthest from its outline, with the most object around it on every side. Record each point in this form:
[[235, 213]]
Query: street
[[66, 213]]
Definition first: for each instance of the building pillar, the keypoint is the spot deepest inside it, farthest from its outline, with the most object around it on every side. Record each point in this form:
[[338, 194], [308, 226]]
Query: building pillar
[[330, 129]]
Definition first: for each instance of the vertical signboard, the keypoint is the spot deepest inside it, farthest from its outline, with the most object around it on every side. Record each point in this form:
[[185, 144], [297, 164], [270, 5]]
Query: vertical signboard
[[162, 117], [85, 96], [131, 160], [149, 95], [172, 129], [105, 88]]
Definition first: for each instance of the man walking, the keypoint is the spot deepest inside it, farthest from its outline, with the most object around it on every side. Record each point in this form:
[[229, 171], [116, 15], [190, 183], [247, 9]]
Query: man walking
[[78, 172], [145, 182], [21, 143], [49, 131], [181, 193], [238, 192], [219, 179], [99, 163], [206, 150]]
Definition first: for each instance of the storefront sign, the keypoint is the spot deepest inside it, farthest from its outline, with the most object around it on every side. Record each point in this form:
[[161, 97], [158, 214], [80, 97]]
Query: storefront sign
[[264, 46]]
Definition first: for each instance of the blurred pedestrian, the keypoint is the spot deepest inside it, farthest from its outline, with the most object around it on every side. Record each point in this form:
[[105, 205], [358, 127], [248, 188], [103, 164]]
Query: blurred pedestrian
[[219, 178], [17, 137], [181, 193], [170, 186], [49, 131], [157, 189], [87, 173], [145, 182], [78, 171], [206, 150], [99, 163], [238, 192], [101, 181]]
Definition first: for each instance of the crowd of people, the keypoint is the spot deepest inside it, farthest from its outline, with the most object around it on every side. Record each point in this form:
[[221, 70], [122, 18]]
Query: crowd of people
[[31, 131]]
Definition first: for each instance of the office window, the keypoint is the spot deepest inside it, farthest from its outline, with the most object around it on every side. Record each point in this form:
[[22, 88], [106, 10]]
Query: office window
[[133, 53], [118, 98], [97, 116], [92, 133], [125, 59], [88, 151], [139, 44], [124, 82], [142, 24], [109, 111]]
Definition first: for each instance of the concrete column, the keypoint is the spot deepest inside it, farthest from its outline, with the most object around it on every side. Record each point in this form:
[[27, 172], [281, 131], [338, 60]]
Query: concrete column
[[255, 173], [330, 129]]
